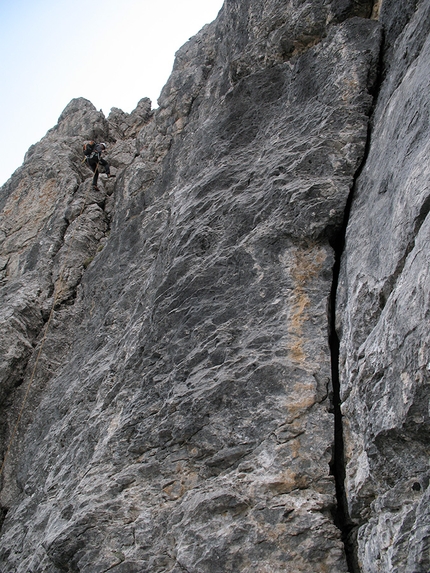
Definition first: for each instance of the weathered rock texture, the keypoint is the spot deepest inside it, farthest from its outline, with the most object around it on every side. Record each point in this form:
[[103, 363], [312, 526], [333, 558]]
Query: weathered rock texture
[[383, 311], [169, 335]]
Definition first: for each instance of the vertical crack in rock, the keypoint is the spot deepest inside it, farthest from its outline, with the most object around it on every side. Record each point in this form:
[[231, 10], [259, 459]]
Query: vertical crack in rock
[[341, 513], [382, 310], [192, 371], [3, 513]]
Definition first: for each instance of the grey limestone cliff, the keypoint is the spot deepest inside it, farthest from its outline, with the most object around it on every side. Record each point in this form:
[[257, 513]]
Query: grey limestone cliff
[[219, 361], [383, 312]]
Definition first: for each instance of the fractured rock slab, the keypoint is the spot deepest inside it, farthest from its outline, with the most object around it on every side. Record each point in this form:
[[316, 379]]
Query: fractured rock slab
[[383, 303]]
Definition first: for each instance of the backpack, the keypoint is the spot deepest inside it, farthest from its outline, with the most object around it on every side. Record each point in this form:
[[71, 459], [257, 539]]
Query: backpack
[[88, 148]]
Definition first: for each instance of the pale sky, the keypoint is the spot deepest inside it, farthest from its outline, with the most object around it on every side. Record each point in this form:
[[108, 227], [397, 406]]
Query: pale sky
[[112, 52]]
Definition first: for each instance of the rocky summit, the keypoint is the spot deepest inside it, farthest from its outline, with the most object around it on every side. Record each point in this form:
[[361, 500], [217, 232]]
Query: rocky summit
[[218, 361]]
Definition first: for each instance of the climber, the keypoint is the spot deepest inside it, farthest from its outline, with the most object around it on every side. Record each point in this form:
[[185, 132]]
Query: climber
[[93, 152]]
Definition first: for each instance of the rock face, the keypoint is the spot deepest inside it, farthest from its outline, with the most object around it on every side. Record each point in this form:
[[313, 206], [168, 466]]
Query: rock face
[[383, 313], [166, 375]]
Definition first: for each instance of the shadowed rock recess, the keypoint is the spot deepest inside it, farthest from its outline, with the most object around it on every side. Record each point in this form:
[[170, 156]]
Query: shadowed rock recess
[[165, 340]]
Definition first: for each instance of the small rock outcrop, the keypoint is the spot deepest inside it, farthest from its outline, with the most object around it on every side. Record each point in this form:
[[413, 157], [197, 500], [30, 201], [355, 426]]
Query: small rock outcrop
[[219, 361]]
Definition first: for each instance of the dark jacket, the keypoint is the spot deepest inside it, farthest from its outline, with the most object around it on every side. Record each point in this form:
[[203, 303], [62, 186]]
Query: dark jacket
[[95, 160]]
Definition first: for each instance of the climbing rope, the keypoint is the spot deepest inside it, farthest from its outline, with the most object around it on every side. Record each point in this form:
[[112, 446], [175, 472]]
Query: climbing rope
[[42, 344]]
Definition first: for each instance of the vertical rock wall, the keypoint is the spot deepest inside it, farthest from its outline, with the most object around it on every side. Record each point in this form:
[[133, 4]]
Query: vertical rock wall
[[383, 310], [180, 416]]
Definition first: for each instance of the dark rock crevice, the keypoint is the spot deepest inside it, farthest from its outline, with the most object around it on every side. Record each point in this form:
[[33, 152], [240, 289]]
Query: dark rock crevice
[[3, 513], [341, 515]]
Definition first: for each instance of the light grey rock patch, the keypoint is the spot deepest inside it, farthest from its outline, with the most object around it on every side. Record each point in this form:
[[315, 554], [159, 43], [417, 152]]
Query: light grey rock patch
[[383, 302]]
